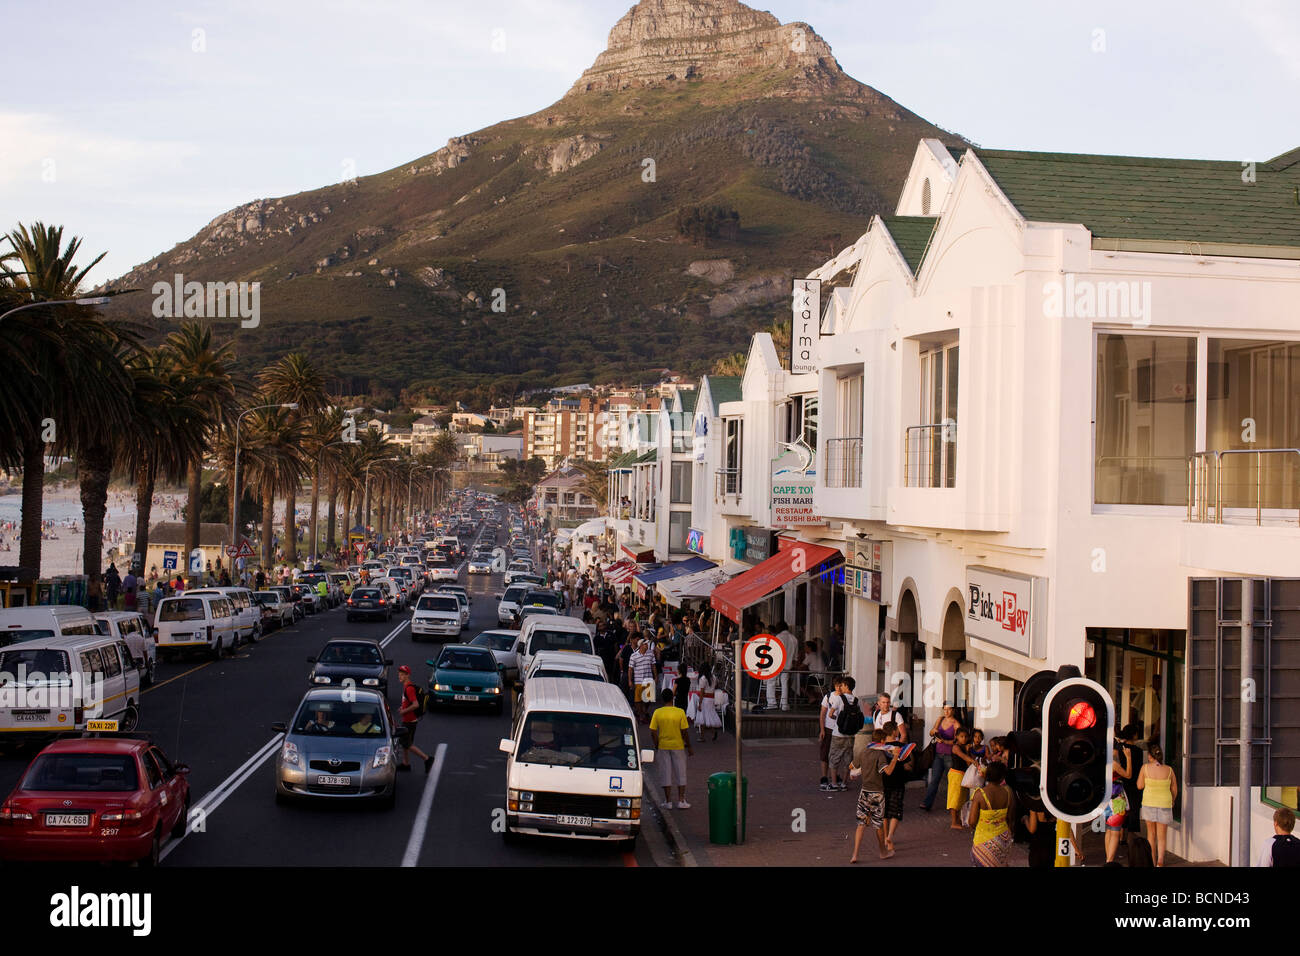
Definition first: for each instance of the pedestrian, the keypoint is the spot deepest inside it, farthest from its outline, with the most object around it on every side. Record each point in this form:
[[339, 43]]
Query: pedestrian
[[768, 688], [885, 713], [993, 838], [942, 733], [961, 759], [410, 720], [895, 782], [709, 718], [1117, 808], [826, 723], [1126, 737], [112, 586], [95, 593], [1284, 849], [845, 720], [671, 733], [1042, 840], [641, 678], [870, 764], [1159, 789]]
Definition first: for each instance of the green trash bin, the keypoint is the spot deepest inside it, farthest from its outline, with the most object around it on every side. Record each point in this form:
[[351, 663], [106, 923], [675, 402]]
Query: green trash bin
[[722, 807]]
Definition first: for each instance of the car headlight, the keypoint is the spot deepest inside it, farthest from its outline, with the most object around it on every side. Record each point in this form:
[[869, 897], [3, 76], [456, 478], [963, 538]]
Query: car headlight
[[382, 756], [319, 680], [494, 690], [289, 754], [442, 687], [371, 682]]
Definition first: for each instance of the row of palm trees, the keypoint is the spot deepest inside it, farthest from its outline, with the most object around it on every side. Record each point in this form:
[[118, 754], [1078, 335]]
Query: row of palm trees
[[79, 386]]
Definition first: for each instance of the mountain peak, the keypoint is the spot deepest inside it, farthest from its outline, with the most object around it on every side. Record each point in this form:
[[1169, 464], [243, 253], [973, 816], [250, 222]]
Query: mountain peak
[[660, 42]]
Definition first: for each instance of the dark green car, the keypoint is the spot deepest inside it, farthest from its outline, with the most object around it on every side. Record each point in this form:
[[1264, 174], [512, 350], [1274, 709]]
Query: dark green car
[[468, 676]]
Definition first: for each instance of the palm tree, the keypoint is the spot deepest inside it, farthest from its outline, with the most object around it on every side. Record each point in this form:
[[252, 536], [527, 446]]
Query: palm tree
[[165, 432], [275, 436], [204, 370], [321, 445], [595, 481], [350, 473], [293, 379], [57, 366]]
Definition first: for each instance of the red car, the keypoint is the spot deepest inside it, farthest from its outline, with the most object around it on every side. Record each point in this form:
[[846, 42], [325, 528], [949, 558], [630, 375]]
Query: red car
[[96, 798]]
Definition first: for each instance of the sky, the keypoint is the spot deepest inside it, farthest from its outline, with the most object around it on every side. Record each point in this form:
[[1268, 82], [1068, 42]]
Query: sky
[[134, 124]]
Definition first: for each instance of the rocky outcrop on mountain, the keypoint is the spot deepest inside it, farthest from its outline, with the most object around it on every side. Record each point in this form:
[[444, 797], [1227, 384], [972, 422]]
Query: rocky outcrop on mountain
[[450, 156], [568, 153], [664, 41], [756, 291]]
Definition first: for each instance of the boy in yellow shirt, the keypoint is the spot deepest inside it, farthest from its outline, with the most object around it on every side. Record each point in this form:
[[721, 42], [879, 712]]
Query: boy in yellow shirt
[[671, 731]]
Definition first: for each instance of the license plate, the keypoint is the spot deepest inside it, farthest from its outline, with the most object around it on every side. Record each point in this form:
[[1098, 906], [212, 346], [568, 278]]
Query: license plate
[[31, 716], [67, 819], [573, 821], [469, 697], [178, 637], [328, 781]]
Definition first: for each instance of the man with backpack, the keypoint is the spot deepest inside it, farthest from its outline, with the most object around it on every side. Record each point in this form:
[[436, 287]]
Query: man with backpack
[[412, 706], [846, 714], [1284, 849]]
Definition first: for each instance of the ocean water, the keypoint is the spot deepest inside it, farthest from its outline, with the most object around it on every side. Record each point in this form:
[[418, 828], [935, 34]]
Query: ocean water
[[11, 509]]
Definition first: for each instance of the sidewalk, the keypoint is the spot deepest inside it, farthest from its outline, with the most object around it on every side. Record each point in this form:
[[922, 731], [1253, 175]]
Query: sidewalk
[[793, 823]]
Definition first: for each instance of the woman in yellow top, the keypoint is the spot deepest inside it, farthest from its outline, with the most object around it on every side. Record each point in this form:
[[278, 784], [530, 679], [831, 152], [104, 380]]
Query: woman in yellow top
[[1159, 788], [990, 805]]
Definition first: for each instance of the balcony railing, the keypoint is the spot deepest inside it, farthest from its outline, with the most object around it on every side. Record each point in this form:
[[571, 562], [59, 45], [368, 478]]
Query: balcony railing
[[930, 456], [726, 482], [844, 463], [1236, 481]]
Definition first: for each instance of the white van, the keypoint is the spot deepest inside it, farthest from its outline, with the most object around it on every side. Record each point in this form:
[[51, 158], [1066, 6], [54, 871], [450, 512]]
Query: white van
[[57, 684], [574, 763], [549, 632], [44, 621], [205, 621], [134, 630], [567, 664], [437, 615], [510, 601], [248, 613]]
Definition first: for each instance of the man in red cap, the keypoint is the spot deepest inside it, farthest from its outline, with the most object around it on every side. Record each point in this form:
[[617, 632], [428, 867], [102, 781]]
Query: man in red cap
[[410, 719]]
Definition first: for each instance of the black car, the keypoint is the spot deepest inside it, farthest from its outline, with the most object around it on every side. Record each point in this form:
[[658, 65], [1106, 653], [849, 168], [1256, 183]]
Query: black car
[[543, 597], [362, 661], [369, 602]]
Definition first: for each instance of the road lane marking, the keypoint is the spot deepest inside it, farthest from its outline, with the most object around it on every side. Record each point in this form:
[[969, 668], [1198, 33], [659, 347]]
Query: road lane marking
[[393, 633], [218, 794], [412, 855], [154, 687]]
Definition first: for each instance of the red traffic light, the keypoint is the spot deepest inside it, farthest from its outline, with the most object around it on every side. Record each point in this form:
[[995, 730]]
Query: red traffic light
[[1082, 715]]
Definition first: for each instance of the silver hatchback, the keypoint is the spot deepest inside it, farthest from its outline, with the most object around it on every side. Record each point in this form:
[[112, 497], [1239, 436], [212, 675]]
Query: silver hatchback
[[342, 744]]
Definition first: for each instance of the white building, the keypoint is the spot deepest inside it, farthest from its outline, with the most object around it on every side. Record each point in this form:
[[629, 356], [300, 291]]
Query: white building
[[1016, 381]]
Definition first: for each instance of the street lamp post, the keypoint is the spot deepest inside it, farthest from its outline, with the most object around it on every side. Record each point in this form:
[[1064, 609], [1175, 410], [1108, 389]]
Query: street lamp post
[[234, 478]]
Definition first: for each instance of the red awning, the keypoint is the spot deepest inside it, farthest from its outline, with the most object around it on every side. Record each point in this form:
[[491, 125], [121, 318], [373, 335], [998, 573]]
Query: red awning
[[762, 579], [620, 573]]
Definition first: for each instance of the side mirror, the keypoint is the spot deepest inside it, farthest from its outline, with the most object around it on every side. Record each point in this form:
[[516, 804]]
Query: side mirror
[[181, 767], [507, 746], [647, 756], [431, 663], [280, 728]]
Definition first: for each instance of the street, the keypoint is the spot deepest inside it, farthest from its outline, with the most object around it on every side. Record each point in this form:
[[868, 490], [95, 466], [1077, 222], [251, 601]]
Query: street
[[216, 716]]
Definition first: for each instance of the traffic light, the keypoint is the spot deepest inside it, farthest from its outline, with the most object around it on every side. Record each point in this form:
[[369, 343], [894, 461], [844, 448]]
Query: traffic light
[[1026, 741], [1079, 732]]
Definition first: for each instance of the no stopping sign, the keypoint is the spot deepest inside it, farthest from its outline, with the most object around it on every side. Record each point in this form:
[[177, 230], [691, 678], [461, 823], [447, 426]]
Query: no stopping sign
[[763, 657]]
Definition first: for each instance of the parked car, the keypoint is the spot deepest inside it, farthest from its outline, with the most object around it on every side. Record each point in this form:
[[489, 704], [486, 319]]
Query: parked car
[[248, 616], [55, 620], [276, 611], [292, 597], [202, 622], [95, 799], [134, 630], [59, 684]]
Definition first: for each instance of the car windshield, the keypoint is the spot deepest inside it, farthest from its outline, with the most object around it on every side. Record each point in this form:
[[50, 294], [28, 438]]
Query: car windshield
[[497, 642], [181, 609], [33, 666], [369, 594], [548, 598], [548, 640], [595, 741], [447, 603], [575, 675], [464, 659], [514, 595], [333, 718], [361, 654], [113, 773], [267, 597]]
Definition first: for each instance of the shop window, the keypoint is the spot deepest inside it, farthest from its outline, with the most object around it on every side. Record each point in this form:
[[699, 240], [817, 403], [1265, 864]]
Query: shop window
[[1282, 797], [1145, 418], [679, 523], [682, 476]]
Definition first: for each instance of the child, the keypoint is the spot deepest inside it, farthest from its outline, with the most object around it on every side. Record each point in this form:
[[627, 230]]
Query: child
[[871, 764], [961, 759], [895, 782], [1284, 849]]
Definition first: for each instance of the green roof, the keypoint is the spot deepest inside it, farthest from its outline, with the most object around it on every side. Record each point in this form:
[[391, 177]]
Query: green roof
[[651, 455], [1156, 200], [724, 388], [689, 399], [623, 460], [911, 235]]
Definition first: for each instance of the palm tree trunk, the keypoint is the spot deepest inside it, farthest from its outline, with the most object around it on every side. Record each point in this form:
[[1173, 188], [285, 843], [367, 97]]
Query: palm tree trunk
[[94, 469], [29, 551], [144, 484], [315, 507], [291, 523], [329, 520], [192, 508], [268, 527]]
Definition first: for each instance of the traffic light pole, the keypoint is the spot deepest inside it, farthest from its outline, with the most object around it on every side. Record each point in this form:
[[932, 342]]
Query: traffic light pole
[[1247, 724]]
